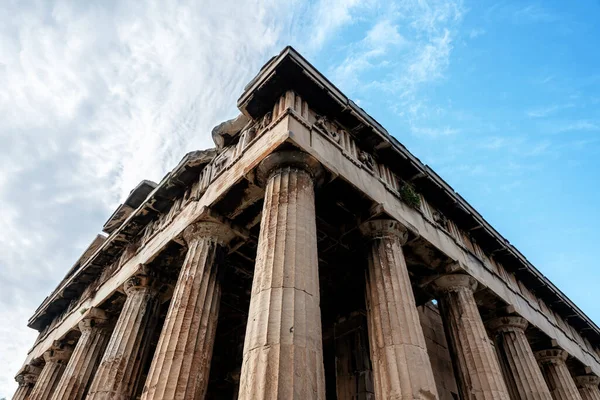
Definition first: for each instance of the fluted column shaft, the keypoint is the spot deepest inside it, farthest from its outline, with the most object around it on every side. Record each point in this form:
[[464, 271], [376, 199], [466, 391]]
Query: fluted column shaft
[[588, 387], [521, 371], [23, 391], [283, 354], [477, 368], [119, 369], [401, 365], [181, 364], [75, 380], [555, 370], [56, 362]]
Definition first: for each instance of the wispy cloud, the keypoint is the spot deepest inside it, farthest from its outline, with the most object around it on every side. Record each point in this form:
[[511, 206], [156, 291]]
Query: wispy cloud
[[581, 125], [519, 13], [408, 47], [96, 97], [434, 132], [533, 13], [546, 79], [541, 112], [370, 52], [499, 142], [326, 16], [430, 62], [476, 32]]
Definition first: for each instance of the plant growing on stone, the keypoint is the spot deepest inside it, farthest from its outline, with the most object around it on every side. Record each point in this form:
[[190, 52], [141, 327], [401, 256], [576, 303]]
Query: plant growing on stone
[[409, 195]]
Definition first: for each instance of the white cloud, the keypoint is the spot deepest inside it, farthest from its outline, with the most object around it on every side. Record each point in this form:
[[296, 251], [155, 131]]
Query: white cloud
[[407, 48], [327, 16], [430, 61], [382, 35], [96, 97], [369, 53], [409, 44]]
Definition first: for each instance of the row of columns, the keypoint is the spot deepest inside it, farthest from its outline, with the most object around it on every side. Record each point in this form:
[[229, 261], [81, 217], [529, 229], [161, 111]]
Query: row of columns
[[283, 355]]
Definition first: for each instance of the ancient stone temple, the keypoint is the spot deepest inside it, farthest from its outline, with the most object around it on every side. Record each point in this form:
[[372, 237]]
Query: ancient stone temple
[[308, 255]]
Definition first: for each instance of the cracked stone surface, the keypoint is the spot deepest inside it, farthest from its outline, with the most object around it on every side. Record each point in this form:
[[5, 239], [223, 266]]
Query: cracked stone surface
[[56, 362], [478, 372], [95, 333], [522, 372], [401, 365], [119, 369], [181, 364], [555, 370], [283, 355]]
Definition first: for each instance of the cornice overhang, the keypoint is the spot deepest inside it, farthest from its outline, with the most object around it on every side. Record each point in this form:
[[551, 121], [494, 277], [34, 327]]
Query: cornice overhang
[[290, 71], [150, 203], [134, 200]]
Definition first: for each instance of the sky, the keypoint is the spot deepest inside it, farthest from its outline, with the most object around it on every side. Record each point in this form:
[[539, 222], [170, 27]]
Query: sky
[[501, 98]]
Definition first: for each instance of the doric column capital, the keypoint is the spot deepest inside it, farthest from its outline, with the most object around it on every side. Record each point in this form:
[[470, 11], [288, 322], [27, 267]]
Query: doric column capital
[[58, 353], [384, 228], [145, 280], [21, 381], [28, 375], [218, 231], [94, 318], [510, 323], [454, 282], [587, 381], [288, 158], [551, 356], [26, 380]]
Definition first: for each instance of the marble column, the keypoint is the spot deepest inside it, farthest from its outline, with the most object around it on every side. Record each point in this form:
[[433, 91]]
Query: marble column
[[56, 362], [283, 349], [555, 370], [95, 332], [521, 371], [119, 370], [23, 390], [181, 364], [588, 387], [478, 372], [26, 379], [401, 365]]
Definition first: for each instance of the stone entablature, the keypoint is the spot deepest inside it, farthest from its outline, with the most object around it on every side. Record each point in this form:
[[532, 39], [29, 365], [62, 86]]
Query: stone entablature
[[336, 134], [338, 144], [291, 104], [300, 73]]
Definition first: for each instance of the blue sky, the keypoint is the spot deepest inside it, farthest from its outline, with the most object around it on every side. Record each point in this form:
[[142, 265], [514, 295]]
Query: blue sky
[[501, 98], [510, 118]]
